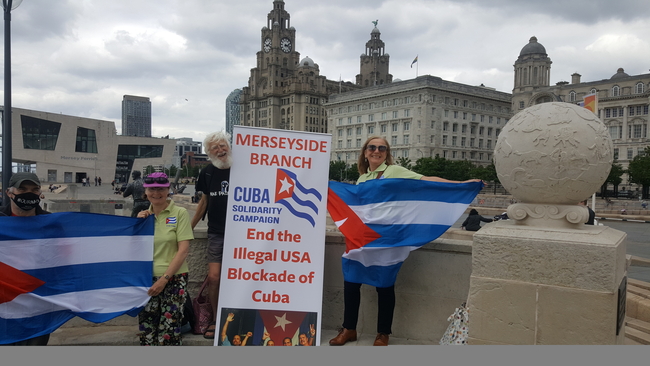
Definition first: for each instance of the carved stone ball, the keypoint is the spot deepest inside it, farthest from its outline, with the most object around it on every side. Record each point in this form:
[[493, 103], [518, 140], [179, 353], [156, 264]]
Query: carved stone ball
[[555, 153]]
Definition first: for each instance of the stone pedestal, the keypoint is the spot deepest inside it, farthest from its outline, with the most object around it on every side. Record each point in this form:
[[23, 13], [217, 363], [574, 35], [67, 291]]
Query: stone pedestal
[[533, 284], [72, 192]]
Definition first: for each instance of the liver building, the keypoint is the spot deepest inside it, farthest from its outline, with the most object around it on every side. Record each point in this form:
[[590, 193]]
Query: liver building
[[286, 92]]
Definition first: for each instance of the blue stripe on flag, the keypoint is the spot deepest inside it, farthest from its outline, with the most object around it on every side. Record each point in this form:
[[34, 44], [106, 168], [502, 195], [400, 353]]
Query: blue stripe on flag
[[406, 235], [75, 224], [93, 276], [378, 276]]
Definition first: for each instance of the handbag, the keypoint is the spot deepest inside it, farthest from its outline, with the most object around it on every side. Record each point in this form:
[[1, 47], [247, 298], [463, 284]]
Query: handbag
[[458, 330], [202, 311]]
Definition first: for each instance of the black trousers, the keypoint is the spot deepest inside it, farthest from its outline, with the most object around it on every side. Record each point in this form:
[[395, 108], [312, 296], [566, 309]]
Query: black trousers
[[385, 304]]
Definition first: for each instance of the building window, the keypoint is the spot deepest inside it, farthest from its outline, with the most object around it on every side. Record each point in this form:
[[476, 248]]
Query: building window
[[464, 115], [453, 140], [489, 144], [454, 154], [407, 126], [463, 129], [639, 88], [394, 127], [406, 139], [405, 153], [393, 140], [445, 126], [383, 128], [407, 113], [86, 141], [340, 132], [480, 131], [572, 96], [638, 131], [521, 105], [613, 132], [497, 132], [616, 153], [463, 141], [480, 156], [358, 119], [39, 134], [340, 144], [630, 153], [473, 117], [371, 117], [489, 131], [371, 130], [444, 139], [480, 143], [349, 144], [454, 127], [349, 132], [340, 121], [446, 113], [616, 91], [592, 91], [471, 142], [383, 116], [358, 130], [455, 114], [358, 142]]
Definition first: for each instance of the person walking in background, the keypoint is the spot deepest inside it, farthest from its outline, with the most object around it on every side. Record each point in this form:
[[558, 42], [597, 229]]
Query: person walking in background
[[473, 221], [375, 162], [161, 319]]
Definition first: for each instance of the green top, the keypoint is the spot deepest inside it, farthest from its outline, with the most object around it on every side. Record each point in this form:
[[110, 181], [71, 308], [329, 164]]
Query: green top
[[172, 225], [390, 171]]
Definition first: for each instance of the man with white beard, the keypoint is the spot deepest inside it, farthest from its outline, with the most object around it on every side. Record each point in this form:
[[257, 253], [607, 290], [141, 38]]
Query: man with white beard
[[213, 182]]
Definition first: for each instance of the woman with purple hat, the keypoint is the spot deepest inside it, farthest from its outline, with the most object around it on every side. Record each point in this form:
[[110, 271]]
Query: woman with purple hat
[[160, 320]]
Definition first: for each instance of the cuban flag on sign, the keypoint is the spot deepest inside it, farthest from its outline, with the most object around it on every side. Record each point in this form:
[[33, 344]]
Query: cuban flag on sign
[[53, 269], [383, 220], [300, 201]]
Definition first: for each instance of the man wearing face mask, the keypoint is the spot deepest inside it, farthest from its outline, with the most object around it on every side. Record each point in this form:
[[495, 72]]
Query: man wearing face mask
[[24, 194]]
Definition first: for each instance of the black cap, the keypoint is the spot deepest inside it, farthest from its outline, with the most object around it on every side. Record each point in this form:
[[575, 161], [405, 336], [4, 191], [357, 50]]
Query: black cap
[[18, 178]]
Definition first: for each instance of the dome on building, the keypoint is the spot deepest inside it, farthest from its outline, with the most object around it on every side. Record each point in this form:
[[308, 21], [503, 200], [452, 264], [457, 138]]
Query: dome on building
[[375, 30], [276, 24], [292, 28], [265, 28], [307, 62], [532, 47], [620, 73], [397, 80]]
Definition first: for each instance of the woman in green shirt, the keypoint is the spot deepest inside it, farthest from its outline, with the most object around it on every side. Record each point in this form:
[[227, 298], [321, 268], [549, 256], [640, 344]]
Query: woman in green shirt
[[375, 162], [160, 320]]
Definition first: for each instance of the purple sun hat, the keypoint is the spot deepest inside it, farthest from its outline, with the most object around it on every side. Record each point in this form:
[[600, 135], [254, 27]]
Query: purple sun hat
[[157, 179]]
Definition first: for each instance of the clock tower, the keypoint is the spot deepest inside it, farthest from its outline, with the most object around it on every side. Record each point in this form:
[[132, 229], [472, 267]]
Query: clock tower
[[374, 62], [284, 91]]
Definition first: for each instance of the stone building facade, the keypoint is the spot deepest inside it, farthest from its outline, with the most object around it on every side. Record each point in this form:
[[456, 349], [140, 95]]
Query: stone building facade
[[623, 99], [284, 91], [421, 117]]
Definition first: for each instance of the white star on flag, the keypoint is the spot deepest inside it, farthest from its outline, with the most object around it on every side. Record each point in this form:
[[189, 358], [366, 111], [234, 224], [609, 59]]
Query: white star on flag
[[282, 321], [285, 185]]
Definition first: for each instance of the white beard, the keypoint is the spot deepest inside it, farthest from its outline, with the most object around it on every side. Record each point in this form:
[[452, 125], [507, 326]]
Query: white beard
[[220, 164]]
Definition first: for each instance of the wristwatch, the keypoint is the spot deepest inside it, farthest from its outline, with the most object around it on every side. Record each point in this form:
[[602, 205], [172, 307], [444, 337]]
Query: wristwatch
[[166, 277]]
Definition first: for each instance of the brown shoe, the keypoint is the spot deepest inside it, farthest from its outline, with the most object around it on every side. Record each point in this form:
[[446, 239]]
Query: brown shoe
[[381, 340], [344, 336]]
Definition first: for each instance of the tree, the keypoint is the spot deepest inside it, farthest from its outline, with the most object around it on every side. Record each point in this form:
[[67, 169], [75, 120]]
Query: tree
[[352, 173], [639, 171], [614, 177], [404, 162], [337, 170], [487, 174]]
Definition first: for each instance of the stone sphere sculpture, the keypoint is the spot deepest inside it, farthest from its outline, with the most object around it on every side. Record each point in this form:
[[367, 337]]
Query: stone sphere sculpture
[[553, 153]]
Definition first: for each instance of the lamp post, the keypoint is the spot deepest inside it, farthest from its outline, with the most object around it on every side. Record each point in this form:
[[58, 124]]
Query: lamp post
[[8, 6]]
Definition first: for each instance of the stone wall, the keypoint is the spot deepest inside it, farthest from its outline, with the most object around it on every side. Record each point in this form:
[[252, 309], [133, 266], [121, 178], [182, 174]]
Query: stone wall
[[433, 281]]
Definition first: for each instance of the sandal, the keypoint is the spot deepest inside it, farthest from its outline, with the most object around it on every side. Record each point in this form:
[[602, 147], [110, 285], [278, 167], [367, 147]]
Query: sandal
[[209, 333]]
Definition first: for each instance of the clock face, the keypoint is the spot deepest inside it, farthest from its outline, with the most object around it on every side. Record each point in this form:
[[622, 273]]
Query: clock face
[[267, 45], [285, 45]]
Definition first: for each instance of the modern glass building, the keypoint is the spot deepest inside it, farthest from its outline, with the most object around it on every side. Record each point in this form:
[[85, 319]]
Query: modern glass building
[[232, 110]]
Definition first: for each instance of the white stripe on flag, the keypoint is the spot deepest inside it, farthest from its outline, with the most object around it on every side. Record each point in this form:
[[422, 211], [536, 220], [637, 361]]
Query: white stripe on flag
[[379, 256], [104, 301], [56, 252], [410, 212]]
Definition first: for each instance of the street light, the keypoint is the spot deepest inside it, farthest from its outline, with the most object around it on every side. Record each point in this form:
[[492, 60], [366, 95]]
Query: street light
[[8, 6]]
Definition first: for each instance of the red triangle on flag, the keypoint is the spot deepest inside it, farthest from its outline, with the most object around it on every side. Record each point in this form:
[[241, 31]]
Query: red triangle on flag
[[281, 324], [356, 232], [284, 185], [14, 282]]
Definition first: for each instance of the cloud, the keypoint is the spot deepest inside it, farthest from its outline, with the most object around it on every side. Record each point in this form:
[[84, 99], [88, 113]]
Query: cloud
[[81, 57]]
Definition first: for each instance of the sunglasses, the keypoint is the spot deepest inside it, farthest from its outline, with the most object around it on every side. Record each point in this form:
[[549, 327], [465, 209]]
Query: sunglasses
[[381, 148], [158, 180]]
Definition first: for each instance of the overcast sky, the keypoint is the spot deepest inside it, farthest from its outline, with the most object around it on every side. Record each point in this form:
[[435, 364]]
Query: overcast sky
[[79, 57]]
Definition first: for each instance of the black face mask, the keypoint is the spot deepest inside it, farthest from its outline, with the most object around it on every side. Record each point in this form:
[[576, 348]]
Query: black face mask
[[26, 201]]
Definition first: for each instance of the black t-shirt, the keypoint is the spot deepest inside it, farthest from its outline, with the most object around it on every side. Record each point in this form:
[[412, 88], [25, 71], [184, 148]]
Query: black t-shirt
[[214, 183]]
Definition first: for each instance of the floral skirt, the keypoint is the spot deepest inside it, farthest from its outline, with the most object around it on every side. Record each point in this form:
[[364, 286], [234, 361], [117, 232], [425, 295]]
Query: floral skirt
[[160, 320]]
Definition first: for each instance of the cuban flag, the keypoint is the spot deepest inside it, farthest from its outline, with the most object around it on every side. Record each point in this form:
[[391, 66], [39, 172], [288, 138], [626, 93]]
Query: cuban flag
[[299, 200], [58, 266], [281, 324], [383, 220]]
